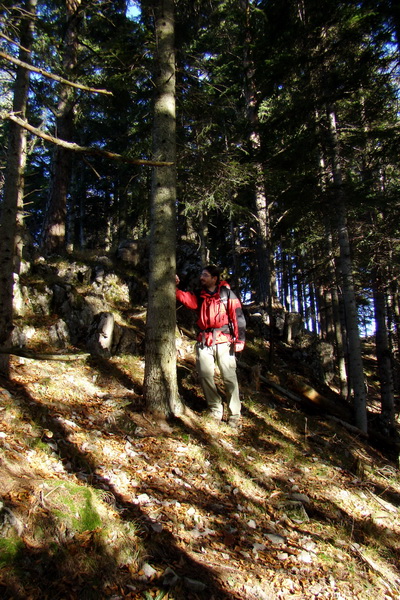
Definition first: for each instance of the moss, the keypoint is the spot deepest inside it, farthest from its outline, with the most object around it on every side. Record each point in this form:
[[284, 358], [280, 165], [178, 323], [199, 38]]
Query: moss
[[89, 517], [9, 550], [75, 506]]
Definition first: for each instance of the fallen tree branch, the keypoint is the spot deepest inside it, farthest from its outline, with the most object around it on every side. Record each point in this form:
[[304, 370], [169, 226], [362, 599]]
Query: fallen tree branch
[[25, 65], [25, 353], [348, 426], [290, 395], [188, 333], [388, 579], [304, 400], [82, 149]]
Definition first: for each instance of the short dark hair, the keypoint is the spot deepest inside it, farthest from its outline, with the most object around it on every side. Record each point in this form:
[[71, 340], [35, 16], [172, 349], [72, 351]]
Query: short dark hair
[[213, 270]]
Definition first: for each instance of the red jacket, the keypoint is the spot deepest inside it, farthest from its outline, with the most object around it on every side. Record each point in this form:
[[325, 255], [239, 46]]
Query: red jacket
[[221, 317]]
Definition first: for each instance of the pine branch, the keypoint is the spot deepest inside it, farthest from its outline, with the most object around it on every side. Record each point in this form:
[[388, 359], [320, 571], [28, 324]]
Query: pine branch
[[81, 149], [25, 65]]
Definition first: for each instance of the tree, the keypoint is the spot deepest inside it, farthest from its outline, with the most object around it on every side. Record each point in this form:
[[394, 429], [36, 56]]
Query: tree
[[160, 379], [11, 224], [55, 224]]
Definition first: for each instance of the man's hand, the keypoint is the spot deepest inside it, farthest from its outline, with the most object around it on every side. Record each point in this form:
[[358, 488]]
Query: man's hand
[[238, 346]]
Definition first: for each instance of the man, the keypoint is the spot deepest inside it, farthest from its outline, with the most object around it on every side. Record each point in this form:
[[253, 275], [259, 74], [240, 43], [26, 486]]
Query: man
[[222, 333]]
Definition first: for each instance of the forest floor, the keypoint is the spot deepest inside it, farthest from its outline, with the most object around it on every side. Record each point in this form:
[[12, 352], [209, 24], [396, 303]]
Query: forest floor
[[101, 500]]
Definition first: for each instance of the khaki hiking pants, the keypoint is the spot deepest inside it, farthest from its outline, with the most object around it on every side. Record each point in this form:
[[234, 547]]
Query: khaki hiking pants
[[223, 356]]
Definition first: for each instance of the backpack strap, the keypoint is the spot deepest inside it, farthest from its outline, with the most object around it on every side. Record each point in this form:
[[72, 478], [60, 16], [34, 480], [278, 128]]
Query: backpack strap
[[225, 294]]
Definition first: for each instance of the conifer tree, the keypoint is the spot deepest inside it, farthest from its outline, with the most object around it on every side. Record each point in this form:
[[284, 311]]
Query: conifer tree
[[160, 380], [11, 224], [56, 217]]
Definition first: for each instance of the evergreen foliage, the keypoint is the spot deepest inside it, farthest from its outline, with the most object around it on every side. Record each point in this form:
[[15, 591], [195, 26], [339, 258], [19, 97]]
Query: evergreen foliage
[[309, 60]]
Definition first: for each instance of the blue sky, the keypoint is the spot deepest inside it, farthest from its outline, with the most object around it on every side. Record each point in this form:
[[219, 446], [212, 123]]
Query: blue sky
[[133, 9]]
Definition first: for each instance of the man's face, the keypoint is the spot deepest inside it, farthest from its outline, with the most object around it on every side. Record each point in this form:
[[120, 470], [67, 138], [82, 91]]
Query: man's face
[[207, 280]]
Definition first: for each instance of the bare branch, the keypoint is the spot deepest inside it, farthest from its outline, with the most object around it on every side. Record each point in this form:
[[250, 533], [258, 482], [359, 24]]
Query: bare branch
[[4, 36], [25, 65], [82, 149]]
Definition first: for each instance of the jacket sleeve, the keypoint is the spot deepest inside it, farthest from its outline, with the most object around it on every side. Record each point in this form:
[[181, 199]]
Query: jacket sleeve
[[237, 318], [188, 299]]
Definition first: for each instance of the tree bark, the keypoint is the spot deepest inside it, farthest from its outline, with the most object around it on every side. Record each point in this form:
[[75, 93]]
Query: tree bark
[[356, 370], [56, 218], [160, 379], [265, 259], [11, 216], [383, 353], [337, 337]]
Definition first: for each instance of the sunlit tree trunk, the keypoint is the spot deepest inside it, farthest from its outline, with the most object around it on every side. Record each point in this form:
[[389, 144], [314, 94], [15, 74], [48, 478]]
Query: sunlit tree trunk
[[160, 380], [11, 224]]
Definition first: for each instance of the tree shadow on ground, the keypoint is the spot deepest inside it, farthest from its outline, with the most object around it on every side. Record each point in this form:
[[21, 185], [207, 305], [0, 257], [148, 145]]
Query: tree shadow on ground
[[38, 569]]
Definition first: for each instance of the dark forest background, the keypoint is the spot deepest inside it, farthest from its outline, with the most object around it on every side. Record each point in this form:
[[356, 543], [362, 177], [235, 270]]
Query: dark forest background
[[287, 130]]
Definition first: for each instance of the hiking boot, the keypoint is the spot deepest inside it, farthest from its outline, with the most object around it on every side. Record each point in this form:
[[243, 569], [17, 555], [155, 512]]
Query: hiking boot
[[214, 416], [234, 422]]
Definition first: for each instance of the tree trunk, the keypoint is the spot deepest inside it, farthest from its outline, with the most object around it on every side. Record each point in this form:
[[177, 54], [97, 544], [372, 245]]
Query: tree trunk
[[262, 210], [356, 371], [160, 380], [394, 308], [312, 307], [332, 277], [11, 215], [299, 286], [54, 231], [337, 323], [383, 353]]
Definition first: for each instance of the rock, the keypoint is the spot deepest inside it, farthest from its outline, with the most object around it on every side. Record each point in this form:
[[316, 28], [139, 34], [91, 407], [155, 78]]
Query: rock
[[124, 341], [194, 585], [59, 334], [293, 327], [100, 334], [276, 539], [304, 557], [20, 336], [170, 577], [134, 252], [148, 571], [300, 498], [74, 273]]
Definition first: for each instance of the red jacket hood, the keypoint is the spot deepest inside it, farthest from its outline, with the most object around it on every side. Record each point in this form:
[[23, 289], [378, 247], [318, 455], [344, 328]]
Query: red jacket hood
[[219, 286]]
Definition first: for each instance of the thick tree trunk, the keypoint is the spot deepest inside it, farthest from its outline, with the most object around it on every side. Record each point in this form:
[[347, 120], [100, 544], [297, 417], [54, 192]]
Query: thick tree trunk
[[160, 380], [11, 214], [356, 370]]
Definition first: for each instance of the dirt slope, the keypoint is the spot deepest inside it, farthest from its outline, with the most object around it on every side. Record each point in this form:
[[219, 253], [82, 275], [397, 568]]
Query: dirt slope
[[99, 500]]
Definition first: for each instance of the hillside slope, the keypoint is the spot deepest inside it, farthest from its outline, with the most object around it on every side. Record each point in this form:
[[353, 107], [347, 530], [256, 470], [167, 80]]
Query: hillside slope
[[100, 500]]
